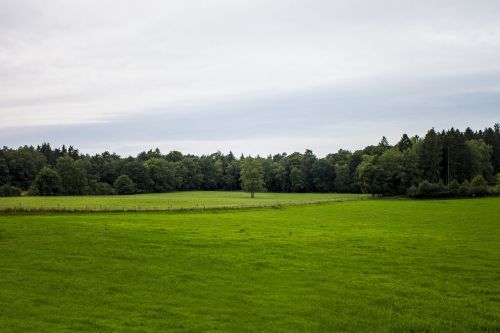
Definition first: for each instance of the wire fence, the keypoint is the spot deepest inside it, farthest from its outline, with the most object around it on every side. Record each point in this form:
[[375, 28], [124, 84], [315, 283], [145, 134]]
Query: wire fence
[[165, 209]]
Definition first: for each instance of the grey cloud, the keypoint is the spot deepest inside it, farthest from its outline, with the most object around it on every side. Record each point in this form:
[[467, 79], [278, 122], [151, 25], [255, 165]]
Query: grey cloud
[[331, 114], [117, 73]]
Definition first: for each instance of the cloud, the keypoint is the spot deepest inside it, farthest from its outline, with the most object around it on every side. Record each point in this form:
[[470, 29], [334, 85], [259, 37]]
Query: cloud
[[222, 71], [324, 120]]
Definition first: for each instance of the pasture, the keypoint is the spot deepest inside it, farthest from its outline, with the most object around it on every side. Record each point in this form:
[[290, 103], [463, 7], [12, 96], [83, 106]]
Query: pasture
[[355, 266], [171, 201]]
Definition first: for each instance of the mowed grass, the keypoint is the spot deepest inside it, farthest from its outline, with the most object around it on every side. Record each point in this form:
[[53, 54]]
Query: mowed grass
[[359, 266], [166, 201]]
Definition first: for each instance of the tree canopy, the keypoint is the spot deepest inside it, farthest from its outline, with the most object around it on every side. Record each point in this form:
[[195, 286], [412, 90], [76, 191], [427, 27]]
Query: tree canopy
[[252, 175], [453, 158]]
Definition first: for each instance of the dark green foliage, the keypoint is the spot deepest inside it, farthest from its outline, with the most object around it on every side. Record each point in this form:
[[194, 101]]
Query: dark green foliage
[[99, 188], [24, 164], [478, 157], [445, 156], [454, 189], [391, 173], [405, 143], [430, 156], [104, 189], [478, 186], [138, 172], [188, 173], [124, 185], [297, 180], [427, 189], [73, 176], [4, 172], [464, 190], [162, 174], [212, 171], [47, 182], [107, 167], [324, 175], [384, 143], [492, 138], [9, 191]]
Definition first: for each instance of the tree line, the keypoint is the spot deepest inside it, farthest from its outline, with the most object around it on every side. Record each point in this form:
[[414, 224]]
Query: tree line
[[446, 163]]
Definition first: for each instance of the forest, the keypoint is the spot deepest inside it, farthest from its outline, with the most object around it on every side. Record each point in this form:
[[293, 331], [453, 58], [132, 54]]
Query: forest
[[451, 163]]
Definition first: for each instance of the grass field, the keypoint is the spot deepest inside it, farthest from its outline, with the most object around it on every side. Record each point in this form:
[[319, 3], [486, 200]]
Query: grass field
[[167, 201], [357, 266]]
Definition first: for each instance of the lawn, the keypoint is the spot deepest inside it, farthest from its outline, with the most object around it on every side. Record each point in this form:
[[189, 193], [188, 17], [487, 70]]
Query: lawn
[[174, 200], [356, 266]]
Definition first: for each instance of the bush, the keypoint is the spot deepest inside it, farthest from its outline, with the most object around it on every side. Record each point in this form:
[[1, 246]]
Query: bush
[[428, 190], [9, 191], [478, 186], [98, 188], [464, 190], [124, 185], [454, 188], [104, 189], [412, 191]]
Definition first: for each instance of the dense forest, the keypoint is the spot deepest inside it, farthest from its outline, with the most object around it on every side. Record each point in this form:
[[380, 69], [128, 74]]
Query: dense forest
[[447, 163]]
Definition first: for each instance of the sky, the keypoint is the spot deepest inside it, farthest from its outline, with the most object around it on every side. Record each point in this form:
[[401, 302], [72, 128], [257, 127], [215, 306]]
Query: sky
[[253, 77]]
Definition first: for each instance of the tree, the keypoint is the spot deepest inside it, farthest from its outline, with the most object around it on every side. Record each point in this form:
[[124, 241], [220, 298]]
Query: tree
[[124, 185], [384, 142], [252, 175], [138, 172], [324, 175], [430, 155], [231, 177], [308, 160], [405, 143], [162, 174], [479, 158], [297, 180], [9, 191], [478, 186], [24, 164], [342, 180], [48, 182], [73, 177], [4, 172], [189, 173]]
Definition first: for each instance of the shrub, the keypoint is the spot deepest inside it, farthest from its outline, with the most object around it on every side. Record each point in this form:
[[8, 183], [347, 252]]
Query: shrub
[[104, 189], [454, 188], [428, 190], [98, 188], [412, 191], [478, 186], [9, 191], [464, 190]]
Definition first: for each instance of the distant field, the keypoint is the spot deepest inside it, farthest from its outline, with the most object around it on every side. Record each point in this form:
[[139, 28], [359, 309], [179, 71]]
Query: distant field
[[162, 201], [358, 266]]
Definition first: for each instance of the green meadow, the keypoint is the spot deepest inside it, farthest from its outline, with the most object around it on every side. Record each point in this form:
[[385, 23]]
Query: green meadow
[[352, 266], [171, 201]]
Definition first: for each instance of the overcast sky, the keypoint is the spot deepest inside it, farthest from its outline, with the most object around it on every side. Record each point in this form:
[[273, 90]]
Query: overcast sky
[[247, 76]]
